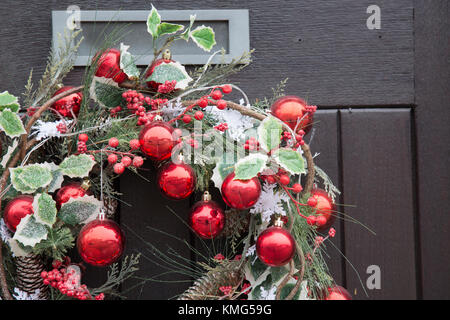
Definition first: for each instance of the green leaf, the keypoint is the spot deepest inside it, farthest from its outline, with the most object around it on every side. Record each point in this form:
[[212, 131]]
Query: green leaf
[[11, 124], [257, 268], [29, 178], [8, 101], [269, 133], [127, 63], [168, 28], [29, 231], [153, 21], [17, 183], [11, 148], [289, 160], [250, 166], [80, 210], [77, 166], [106, 92], [18, 249], [222, 169], [187, 33], [204, 37], [170, 71], [44, 209], [57, 243], [57, 178]]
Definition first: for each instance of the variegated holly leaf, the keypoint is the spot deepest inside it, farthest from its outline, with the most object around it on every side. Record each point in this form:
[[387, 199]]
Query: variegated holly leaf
[[169, 71], [29, 231], [11, 124], [80, 210], [77, 166], [204, 37], [222, 169], [249, 167], [57, 178], [269, 133], [17, 183], [8, 101], [128, 63], [9, 153], [168, 28], [186, 34], [106, 92], [28, 179], [44, 208], [18, 249], [153, 21], [290, 160]]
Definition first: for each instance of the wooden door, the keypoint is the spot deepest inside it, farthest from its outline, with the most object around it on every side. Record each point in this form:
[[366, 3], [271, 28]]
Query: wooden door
[[382, 129]]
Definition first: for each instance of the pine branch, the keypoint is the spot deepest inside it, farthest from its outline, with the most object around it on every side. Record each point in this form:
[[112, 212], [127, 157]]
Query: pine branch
[[56, 245]]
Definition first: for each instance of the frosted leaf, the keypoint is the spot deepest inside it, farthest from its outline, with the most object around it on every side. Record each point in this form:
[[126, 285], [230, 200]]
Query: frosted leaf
[[17, 249], [8, 154], [80, 210], [249, 167], [44, 208], [5, 234], [29, 231], [77, 166]]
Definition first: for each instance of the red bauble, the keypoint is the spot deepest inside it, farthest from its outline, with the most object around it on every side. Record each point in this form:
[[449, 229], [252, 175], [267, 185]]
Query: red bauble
[[338, 293], [165, 59], [109, 66], [207, 219], [291, 108], [16, 209], [101, 242], [68, 104], [275, 246], [70, 190], [176, 181], [240, 194], [325, 207], [156, 140]]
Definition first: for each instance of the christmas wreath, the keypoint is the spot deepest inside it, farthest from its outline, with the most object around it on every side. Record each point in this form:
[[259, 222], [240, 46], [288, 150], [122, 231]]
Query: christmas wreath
[[64, 146]]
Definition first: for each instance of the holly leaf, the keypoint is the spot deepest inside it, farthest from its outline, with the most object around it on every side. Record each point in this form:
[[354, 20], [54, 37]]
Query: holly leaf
[[249, 167], [222, 169], [18, 249], [17, 183], [106, 92], [127, 63], [9, 153], [204, 37], [8, 101], [153, 21], [269, 133], [77, 166], [80, 210], [169, 71], [186, 34], [44, 208], [290, 160], [29, 231], [11, 124], [28, 179], [168, 28], [57, 178]]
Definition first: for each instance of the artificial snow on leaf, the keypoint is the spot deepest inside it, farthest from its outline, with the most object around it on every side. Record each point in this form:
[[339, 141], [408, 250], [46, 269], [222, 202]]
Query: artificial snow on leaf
[[57, 178], [17, 183], [106, 92], [77, 166], [29, 231], [44, 208], [249, 167], [8, 101], [169, 71], [80, 210], [11, 124], [204, 37], [168, 28], [128, 63], [153, 20], [269, 133], [290, 160], [9, 153], [28, 179], [17, 249]]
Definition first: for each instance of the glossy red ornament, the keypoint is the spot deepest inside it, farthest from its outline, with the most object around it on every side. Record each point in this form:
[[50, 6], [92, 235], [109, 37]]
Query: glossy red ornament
[[291, 108], [275, 246], [325, 207], [240, 194], [166, 58], [101, 242], [16, 209], [70, 190], [109, 66], [156, 140], [68, 104], [207, 218], [338, 293], [176, 180]]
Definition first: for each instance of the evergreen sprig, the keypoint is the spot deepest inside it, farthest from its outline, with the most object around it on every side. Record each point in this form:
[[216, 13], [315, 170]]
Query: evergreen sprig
[[58, 241]]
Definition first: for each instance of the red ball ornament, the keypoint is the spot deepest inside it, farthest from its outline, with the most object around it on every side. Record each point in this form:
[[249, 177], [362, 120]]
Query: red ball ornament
[[166, 58], [207, 218], [325, 209], [109, 66], [101, 242], [16, 209], [291, 108], [156, 140], [71, 103], [338, 293], [275, 246], [176, 180], [71, 190], [240, 194]]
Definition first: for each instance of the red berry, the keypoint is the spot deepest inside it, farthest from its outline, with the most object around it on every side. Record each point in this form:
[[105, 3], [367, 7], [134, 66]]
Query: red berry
[[321, 221], [138, 161], [312, 202], [216, 94], [187, 118], [126, 161], [271, 180], [113, 142], [311, 220], [112, 158], [119, 168], [44, 274], [134, 144], [284, 179], [221, 104], [202, 103], [297, 188], [227, 89], [83, 137], [198, 115]]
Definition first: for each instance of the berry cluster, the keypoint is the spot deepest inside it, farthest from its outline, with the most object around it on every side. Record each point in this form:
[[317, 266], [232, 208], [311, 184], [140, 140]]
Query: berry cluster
[[127, 159], [81, 146], [311, 109], [222, 127], [167, 87], [251, 144], [137, 103], [61, 127]]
